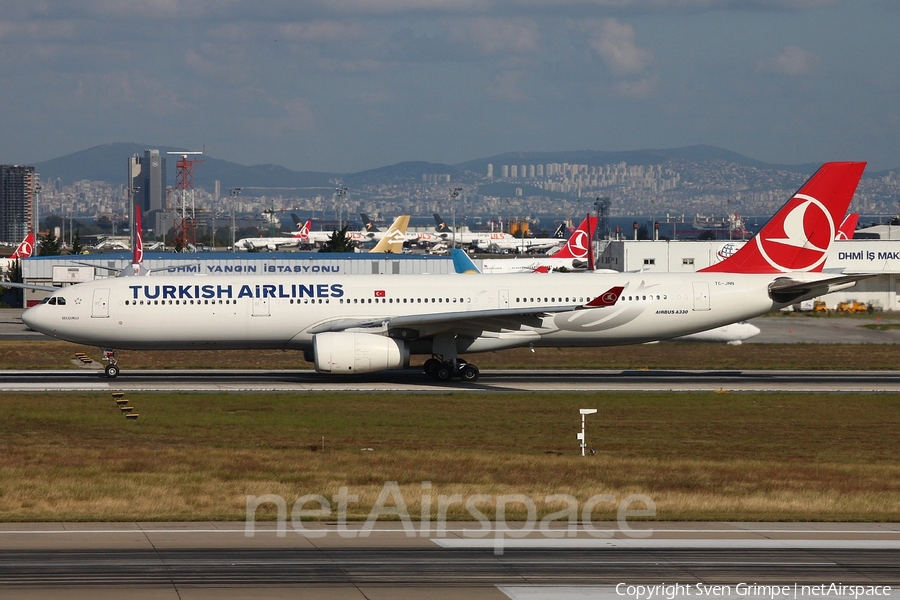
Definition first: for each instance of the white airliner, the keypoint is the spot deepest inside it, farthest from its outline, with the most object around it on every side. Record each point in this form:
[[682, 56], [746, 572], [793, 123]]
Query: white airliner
[[514, 244], [575, 255], [267, 243], [465, 237], [307, 235], [367, 323]]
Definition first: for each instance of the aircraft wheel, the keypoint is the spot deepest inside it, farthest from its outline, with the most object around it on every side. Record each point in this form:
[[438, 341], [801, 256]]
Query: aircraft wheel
[[443, 373], [431, 367], [112, 371], [469, 373]]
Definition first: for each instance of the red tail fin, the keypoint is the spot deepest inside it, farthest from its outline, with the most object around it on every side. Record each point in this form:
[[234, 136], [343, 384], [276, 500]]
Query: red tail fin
[[579, 242], [138, 250], [26, 248], [798, 236], [848, 227]]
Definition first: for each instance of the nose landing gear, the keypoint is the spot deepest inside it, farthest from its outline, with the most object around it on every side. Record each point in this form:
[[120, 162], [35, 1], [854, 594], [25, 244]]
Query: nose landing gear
[[112, 369]]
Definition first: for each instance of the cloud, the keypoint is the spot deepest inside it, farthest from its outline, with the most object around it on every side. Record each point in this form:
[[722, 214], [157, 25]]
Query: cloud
[[505, 86], [615, 43], [792, 61]]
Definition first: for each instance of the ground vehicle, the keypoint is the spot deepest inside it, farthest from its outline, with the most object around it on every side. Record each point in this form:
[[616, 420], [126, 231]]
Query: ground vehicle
[[851, 306]]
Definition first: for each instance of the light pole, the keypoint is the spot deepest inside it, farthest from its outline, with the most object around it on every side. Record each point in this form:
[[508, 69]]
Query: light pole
[[234, 192], [130, 193], [37, 211], [454, 194], [339, 193]]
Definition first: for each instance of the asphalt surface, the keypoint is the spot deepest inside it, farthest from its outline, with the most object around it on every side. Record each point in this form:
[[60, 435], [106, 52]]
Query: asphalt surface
[[413, 380], [178, 560]]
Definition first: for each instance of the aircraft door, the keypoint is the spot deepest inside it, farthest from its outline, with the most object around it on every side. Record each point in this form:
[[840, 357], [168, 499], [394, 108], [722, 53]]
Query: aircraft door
[[701, 296], [504, 298], [100, 307], [261, 307]]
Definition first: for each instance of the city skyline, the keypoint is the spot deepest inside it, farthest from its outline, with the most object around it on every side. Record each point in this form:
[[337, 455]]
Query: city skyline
[[345, 87]]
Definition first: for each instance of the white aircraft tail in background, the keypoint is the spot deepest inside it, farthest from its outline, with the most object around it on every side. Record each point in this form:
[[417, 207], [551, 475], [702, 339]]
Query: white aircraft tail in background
[[394, 237]]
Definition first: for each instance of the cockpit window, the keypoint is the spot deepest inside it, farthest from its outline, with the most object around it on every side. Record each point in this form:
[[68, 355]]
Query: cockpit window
[[61, 301], [45, 300], [54, 301]]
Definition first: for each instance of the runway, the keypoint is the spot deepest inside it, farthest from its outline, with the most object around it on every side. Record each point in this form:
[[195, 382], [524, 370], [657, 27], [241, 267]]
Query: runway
[[413, 380], [182, 560]]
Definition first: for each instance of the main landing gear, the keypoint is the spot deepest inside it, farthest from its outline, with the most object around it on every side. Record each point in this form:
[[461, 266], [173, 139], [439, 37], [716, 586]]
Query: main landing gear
[[112, 368], [446, 370]]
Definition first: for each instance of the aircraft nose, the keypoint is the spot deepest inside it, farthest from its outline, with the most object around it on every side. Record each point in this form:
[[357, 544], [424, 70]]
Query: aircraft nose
[[29, 317]]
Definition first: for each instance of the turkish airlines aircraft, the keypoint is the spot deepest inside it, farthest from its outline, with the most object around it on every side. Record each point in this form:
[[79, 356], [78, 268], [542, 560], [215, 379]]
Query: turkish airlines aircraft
[[367, 323], [306, 235], [267, 243], [23, 250], [575, 255], [848, 227]]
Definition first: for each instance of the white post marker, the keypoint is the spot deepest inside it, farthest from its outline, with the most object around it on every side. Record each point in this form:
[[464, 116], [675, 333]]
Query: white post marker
[[580, 436]]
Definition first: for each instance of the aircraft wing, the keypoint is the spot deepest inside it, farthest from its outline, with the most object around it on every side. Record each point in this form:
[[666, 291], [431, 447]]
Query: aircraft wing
[[428, 324], [30, 286]]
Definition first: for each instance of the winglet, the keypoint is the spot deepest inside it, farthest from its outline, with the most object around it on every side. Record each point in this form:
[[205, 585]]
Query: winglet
[[798, 236], [607, 298]]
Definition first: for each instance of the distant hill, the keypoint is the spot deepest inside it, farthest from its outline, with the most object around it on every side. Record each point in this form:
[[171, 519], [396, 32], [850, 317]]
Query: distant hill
[[108, 163], [700, 154]]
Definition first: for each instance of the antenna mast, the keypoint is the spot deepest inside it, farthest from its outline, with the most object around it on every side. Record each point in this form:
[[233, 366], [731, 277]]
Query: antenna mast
[[185, 222]]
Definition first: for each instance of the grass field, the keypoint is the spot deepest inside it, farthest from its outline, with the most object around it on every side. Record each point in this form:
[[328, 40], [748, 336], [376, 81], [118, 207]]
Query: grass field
[[698, 456], [666, 355]]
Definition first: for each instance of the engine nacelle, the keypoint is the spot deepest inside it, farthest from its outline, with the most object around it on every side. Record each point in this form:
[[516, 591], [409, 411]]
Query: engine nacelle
[[346, 352]]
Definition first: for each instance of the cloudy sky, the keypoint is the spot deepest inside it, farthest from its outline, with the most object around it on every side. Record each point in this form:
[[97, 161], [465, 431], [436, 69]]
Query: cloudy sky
[[347, 85]]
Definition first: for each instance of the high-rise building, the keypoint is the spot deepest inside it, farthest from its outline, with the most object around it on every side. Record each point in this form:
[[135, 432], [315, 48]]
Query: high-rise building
[[17, 189], [490, 173], [148, 174]]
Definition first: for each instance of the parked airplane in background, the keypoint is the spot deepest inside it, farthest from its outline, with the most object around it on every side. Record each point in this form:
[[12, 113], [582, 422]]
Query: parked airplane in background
[[465, 237], [307, 235], [511, 243], [137, 254], [393, 239], [848, 227], [367, 323], [267, 243], [24, 250], [575, 255]]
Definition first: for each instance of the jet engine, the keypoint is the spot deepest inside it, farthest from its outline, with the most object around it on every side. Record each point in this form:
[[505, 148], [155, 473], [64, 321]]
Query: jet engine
[[346, 352]]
